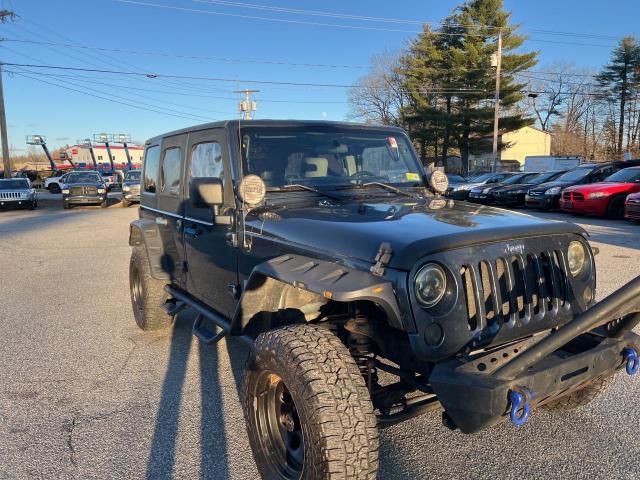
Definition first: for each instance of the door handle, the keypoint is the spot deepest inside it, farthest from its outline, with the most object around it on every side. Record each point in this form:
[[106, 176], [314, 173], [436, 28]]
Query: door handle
[[161, 221]]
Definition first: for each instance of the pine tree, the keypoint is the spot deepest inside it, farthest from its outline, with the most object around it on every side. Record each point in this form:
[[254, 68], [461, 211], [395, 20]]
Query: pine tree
[[449, 77], [620, 80]]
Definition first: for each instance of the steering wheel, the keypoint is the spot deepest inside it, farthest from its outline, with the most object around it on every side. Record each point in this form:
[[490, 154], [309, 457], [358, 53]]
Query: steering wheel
[[364, 173]]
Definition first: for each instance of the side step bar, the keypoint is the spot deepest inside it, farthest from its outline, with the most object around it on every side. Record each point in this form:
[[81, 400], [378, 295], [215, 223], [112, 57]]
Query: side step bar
[[207, 337]]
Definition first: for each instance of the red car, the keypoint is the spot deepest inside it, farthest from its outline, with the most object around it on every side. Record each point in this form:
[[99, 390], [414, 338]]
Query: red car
[[632, 207], [602, 198]]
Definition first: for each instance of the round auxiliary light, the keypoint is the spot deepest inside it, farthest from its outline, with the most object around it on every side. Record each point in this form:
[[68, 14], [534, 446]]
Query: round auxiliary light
[[438, 181], [430, 285], [252, 190], [576, 258]]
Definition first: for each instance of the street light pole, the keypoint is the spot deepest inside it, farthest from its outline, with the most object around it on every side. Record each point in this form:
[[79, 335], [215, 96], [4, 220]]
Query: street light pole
[[496, 113]]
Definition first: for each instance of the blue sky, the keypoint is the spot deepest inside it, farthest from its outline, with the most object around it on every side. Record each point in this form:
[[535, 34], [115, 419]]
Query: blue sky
[[65, 116]]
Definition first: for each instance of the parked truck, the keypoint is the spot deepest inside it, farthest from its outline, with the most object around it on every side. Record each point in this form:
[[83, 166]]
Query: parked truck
[[549, 163]]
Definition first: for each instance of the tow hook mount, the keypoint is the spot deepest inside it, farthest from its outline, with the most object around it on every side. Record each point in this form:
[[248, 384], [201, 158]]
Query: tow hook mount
[[520, 406]]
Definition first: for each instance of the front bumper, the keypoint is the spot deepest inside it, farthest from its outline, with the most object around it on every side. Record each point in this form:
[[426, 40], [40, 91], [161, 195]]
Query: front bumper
[[131, 196], [16, 202], [597, 206], [475, 391], [541, 201], [84, 199], [483, 198], [632, 210]]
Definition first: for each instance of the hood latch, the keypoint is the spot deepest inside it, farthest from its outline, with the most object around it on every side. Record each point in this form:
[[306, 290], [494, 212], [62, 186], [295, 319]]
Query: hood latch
[[382, 259]]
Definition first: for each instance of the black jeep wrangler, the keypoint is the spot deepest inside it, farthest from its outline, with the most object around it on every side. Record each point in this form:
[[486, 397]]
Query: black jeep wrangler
[[367, 297]]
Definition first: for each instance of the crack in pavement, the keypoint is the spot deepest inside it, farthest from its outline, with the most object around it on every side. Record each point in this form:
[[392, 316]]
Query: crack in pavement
[[69, 427]]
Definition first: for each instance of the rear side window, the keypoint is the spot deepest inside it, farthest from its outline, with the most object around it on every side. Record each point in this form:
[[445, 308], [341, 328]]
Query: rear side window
[[151, 164], [170, 173], [206, 160]]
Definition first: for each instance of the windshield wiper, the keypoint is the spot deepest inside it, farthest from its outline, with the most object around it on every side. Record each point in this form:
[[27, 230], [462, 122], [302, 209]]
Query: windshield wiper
[[377, 184], [298, 186]]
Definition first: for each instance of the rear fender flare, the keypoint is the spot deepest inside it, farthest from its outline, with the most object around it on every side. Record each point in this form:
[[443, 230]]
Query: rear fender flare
[[144, 233], [306, 284]]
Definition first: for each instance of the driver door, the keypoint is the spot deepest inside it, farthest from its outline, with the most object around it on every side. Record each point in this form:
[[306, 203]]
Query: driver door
[[212, 263]]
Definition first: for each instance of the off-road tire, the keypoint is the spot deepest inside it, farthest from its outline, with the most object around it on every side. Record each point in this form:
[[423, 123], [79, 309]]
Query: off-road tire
[[339, 431], [615, 209], [104, 204], [33, 205], [581, 397], [147, 293], [66, 206], [125, 203]]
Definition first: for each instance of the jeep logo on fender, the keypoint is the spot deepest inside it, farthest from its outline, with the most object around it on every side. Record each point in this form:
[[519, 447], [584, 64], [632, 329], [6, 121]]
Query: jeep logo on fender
[[513, 249]]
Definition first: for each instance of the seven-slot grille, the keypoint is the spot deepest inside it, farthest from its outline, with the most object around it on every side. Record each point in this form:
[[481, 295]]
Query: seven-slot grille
[[9, 195], [83, 190], [514, 288]]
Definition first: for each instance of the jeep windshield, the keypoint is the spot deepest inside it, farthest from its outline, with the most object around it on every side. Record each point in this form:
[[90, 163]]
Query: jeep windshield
[[329, 157]]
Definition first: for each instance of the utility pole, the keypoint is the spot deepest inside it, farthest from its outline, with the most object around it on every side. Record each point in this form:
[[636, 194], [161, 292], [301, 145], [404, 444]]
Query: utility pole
[[6, 162], [247, 106], [496, 114]]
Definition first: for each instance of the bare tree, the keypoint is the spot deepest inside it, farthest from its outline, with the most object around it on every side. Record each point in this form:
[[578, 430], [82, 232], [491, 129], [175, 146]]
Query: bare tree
[[378, 97]]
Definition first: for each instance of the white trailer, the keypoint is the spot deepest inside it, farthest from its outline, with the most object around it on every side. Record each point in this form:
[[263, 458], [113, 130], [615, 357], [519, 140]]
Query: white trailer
[[549, 163]]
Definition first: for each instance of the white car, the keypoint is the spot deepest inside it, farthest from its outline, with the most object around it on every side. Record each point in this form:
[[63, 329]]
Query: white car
[[55, 181]]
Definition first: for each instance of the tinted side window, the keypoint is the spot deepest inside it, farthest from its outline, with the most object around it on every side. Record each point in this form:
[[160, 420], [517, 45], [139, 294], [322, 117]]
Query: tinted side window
[[151, 163], [206, 160], [170, 174]]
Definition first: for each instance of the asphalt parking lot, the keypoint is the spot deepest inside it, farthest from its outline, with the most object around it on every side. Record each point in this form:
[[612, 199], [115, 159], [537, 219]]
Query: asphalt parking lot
[[85, 394]]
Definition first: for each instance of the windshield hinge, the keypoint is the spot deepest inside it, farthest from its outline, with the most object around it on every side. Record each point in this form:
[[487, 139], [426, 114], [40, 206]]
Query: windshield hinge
[[382, 259]]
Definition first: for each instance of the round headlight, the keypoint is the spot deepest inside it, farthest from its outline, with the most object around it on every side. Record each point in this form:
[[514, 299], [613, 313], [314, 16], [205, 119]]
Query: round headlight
[[439, 181], [576, 257], [430, 284]]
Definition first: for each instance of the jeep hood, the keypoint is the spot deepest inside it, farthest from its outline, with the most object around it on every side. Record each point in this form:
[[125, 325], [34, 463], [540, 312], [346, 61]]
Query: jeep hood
[[414, 228]]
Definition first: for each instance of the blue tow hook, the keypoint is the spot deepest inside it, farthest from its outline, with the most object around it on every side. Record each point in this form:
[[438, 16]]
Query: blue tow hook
[[633, 363], [520, 408]]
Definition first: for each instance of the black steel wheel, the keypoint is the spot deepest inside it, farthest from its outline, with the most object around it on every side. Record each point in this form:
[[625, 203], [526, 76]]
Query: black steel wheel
[[279, 425], [307, 409], [147, 294]]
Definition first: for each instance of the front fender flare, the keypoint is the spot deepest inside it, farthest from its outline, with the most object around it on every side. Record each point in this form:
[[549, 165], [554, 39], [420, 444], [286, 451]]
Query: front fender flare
[[328, 281]]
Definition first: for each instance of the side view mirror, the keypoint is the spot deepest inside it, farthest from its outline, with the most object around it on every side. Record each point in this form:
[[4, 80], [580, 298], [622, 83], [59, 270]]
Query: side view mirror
[[206, 192]]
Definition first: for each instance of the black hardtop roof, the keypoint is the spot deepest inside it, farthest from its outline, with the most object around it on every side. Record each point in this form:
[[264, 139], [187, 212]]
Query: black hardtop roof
[[273, 123]]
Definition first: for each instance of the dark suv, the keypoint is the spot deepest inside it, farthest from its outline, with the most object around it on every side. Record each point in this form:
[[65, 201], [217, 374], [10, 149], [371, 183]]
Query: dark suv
[[367, 297]]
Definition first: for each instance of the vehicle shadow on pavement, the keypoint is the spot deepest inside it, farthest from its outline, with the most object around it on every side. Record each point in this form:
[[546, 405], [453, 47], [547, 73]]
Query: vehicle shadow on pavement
[[214, 462]]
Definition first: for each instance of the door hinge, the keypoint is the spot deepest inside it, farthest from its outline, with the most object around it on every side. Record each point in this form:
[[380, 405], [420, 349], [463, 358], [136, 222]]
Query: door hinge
[[234, 290], [232, 239]]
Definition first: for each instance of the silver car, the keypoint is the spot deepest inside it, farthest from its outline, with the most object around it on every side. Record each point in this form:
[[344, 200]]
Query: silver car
[[17, 192]]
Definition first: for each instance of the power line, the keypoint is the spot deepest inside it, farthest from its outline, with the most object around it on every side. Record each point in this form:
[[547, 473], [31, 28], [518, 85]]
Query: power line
[[138, 106], [388, 20], [238, 60], [186, 57], [354, 27]]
